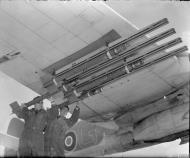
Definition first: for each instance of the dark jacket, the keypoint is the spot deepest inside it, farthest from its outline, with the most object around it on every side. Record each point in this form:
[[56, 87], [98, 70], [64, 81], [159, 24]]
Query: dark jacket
[[52, 115], [32, 139]]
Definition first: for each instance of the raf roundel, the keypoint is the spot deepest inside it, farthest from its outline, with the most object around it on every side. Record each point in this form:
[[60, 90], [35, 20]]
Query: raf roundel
[[70, 141]]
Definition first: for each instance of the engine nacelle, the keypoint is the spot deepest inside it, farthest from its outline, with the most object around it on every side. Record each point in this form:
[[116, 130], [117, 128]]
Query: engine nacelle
[[163, 123]]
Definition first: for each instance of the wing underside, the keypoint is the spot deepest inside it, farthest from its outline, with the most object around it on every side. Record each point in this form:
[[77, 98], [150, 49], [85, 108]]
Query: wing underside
[[31, 50]]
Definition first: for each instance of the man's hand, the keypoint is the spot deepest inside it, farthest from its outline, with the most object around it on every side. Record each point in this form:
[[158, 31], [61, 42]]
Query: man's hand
[[16, 107]]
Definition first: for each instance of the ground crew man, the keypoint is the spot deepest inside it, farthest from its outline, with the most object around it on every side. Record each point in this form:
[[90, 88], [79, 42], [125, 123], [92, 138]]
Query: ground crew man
[[31, 142], [52, 115], [58, 129]]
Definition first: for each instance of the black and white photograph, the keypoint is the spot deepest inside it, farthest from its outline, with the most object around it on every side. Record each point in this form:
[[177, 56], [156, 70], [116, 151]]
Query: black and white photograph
[[94, 78]]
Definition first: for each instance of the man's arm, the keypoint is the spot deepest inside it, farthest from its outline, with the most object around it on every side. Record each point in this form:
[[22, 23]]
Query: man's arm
[[74, 118], [20, 111]]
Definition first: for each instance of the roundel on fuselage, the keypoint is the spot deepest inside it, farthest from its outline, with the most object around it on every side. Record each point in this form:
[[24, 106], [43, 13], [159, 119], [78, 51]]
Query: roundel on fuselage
[[70, 141]]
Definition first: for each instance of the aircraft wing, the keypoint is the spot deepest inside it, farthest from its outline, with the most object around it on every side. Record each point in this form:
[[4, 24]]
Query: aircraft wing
[[39, 37], [36, 35]]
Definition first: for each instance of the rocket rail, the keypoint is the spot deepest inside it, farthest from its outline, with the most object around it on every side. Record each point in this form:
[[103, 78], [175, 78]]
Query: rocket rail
[[165, 57], [101, 57], [89, 76], [91, 90], [125, 54], [133, 37], [150, 53]]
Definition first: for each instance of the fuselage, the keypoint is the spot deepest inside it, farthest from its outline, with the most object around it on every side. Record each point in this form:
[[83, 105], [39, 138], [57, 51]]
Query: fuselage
[[144, 126]]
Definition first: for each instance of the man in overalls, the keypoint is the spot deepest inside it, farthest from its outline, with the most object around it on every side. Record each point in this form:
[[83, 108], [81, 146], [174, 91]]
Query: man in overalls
[[31, 142], [53, 113]]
